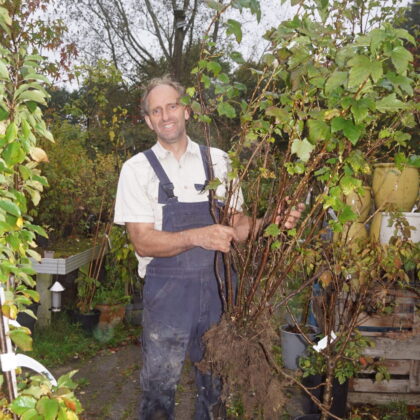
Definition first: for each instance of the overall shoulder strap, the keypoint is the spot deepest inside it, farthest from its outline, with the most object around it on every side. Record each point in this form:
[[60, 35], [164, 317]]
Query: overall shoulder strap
[[165, 183], [208, 167]]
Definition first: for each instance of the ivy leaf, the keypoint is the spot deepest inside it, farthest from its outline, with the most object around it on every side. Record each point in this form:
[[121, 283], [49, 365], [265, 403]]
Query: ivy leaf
[[48, 408], [234, 28], [389, 104], [22, 403], [400, 58], [318, 130], [272, 230], [302, 148], [225, 108]]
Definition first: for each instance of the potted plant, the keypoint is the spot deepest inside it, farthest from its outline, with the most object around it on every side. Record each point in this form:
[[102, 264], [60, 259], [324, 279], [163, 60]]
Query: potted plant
[[330, 96], [85, 313], [111, 301], [121, 270]]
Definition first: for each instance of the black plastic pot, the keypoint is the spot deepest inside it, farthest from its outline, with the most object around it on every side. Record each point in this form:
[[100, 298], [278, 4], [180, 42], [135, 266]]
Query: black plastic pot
[[88, 321], [26, 320], [339, 394]]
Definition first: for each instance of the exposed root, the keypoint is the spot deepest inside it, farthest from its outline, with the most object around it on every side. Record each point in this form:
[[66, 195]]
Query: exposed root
[[237, 356]]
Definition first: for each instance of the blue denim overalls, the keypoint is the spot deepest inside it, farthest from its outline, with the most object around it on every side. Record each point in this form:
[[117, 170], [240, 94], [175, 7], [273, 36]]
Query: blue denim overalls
[[181, 302]]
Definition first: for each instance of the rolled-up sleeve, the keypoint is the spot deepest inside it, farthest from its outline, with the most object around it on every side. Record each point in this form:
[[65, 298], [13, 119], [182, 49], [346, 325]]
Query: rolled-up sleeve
[[132, 202]]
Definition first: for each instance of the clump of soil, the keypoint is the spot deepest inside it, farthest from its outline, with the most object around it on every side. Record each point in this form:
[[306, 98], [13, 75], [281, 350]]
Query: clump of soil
[[242, 356]]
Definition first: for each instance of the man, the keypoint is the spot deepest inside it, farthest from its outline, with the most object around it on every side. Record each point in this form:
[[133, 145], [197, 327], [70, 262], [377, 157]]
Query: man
[[162, 202]]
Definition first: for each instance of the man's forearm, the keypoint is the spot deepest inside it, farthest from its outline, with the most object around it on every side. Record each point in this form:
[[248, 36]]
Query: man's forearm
[[149, 242]]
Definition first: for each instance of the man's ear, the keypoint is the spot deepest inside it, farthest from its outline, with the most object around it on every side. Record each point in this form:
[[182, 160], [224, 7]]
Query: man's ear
[[148, 122], [187, 112]]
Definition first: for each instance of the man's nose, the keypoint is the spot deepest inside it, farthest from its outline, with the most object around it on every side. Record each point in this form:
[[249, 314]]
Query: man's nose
[[165, 114]]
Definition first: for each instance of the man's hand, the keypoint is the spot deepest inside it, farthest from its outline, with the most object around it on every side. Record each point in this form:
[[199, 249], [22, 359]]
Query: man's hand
[[214, 237], [293, 217]]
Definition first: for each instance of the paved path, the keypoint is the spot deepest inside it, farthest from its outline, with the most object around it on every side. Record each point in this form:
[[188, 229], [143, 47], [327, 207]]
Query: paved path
[[109, 387]]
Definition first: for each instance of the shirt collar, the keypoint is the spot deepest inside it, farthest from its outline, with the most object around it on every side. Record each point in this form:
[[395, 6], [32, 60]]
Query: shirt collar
[[162, 153]]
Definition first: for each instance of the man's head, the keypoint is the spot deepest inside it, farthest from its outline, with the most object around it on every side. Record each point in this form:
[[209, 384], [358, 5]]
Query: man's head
[[162, 110]]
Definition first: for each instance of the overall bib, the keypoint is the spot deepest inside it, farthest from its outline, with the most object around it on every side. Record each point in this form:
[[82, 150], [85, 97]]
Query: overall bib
[[181, 302]]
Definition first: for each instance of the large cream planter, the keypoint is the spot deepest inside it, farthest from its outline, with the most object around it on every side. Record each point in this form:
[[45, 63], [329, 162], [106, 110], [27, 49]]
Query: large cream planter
[[360, 203], [394, 188], [387, 231]]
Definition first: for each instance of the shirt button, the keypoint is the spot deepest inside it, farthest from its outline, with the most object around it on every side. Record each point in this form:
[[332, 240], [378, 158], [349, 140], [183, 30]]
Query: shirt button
[[185, 187]]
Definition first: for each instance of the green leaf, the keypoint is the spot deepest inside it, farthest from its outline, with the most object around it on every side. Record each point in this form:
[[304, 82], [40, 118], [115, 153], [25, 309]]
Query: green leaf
[[302, 148], [351, 131], [214, 67], [236, 56], [272, 230], [349, 183], [10, 208], [376, 70], [400, 58], [214, 5], [389, 104], [337, 79], [347, 215], [4, 73], [234, 28], [13, 153], [318, 130], [22, 403], [4, 114], [21, 339], [225, 108], [48, 408], [31, 414], [11, 132], [360, 70], [66, 380], [280, 114], [34, 96]]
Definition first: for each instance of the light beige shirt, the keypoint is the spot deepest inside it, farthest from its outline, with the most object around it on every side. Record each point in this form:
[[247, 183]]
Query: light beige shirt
[[138, 186]]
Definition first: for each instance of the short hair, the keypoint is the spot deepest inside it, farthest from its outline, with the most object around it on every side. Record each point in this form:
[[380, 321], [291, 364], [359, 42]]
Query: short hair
[[159, 81]]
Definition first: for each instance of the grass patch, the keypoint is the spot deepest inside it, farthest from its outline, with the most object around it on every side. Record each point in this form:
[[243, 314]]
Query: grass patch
[[63, 341]]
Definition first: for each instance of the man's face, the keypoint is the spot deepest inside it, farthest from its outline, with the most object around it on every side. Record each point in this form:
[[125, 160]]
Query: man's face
[[166, 116]]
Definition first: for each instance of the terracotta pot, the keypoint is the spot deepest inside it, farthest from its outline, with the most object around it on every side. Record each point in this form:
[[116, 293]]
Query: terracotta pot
[[395, 189], [360, 203], [111, 315], [351, 234]]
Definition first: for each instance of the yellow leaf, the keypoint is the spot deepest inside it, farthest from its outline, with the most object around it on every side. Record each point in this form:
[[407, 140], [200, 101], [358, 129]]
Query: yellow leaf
[[19, 222], [38, 155]]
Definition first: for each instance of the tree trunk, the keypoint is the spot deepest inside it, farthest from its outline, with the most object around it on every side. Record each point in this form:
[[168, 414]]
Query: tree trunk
[[179, 24]]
